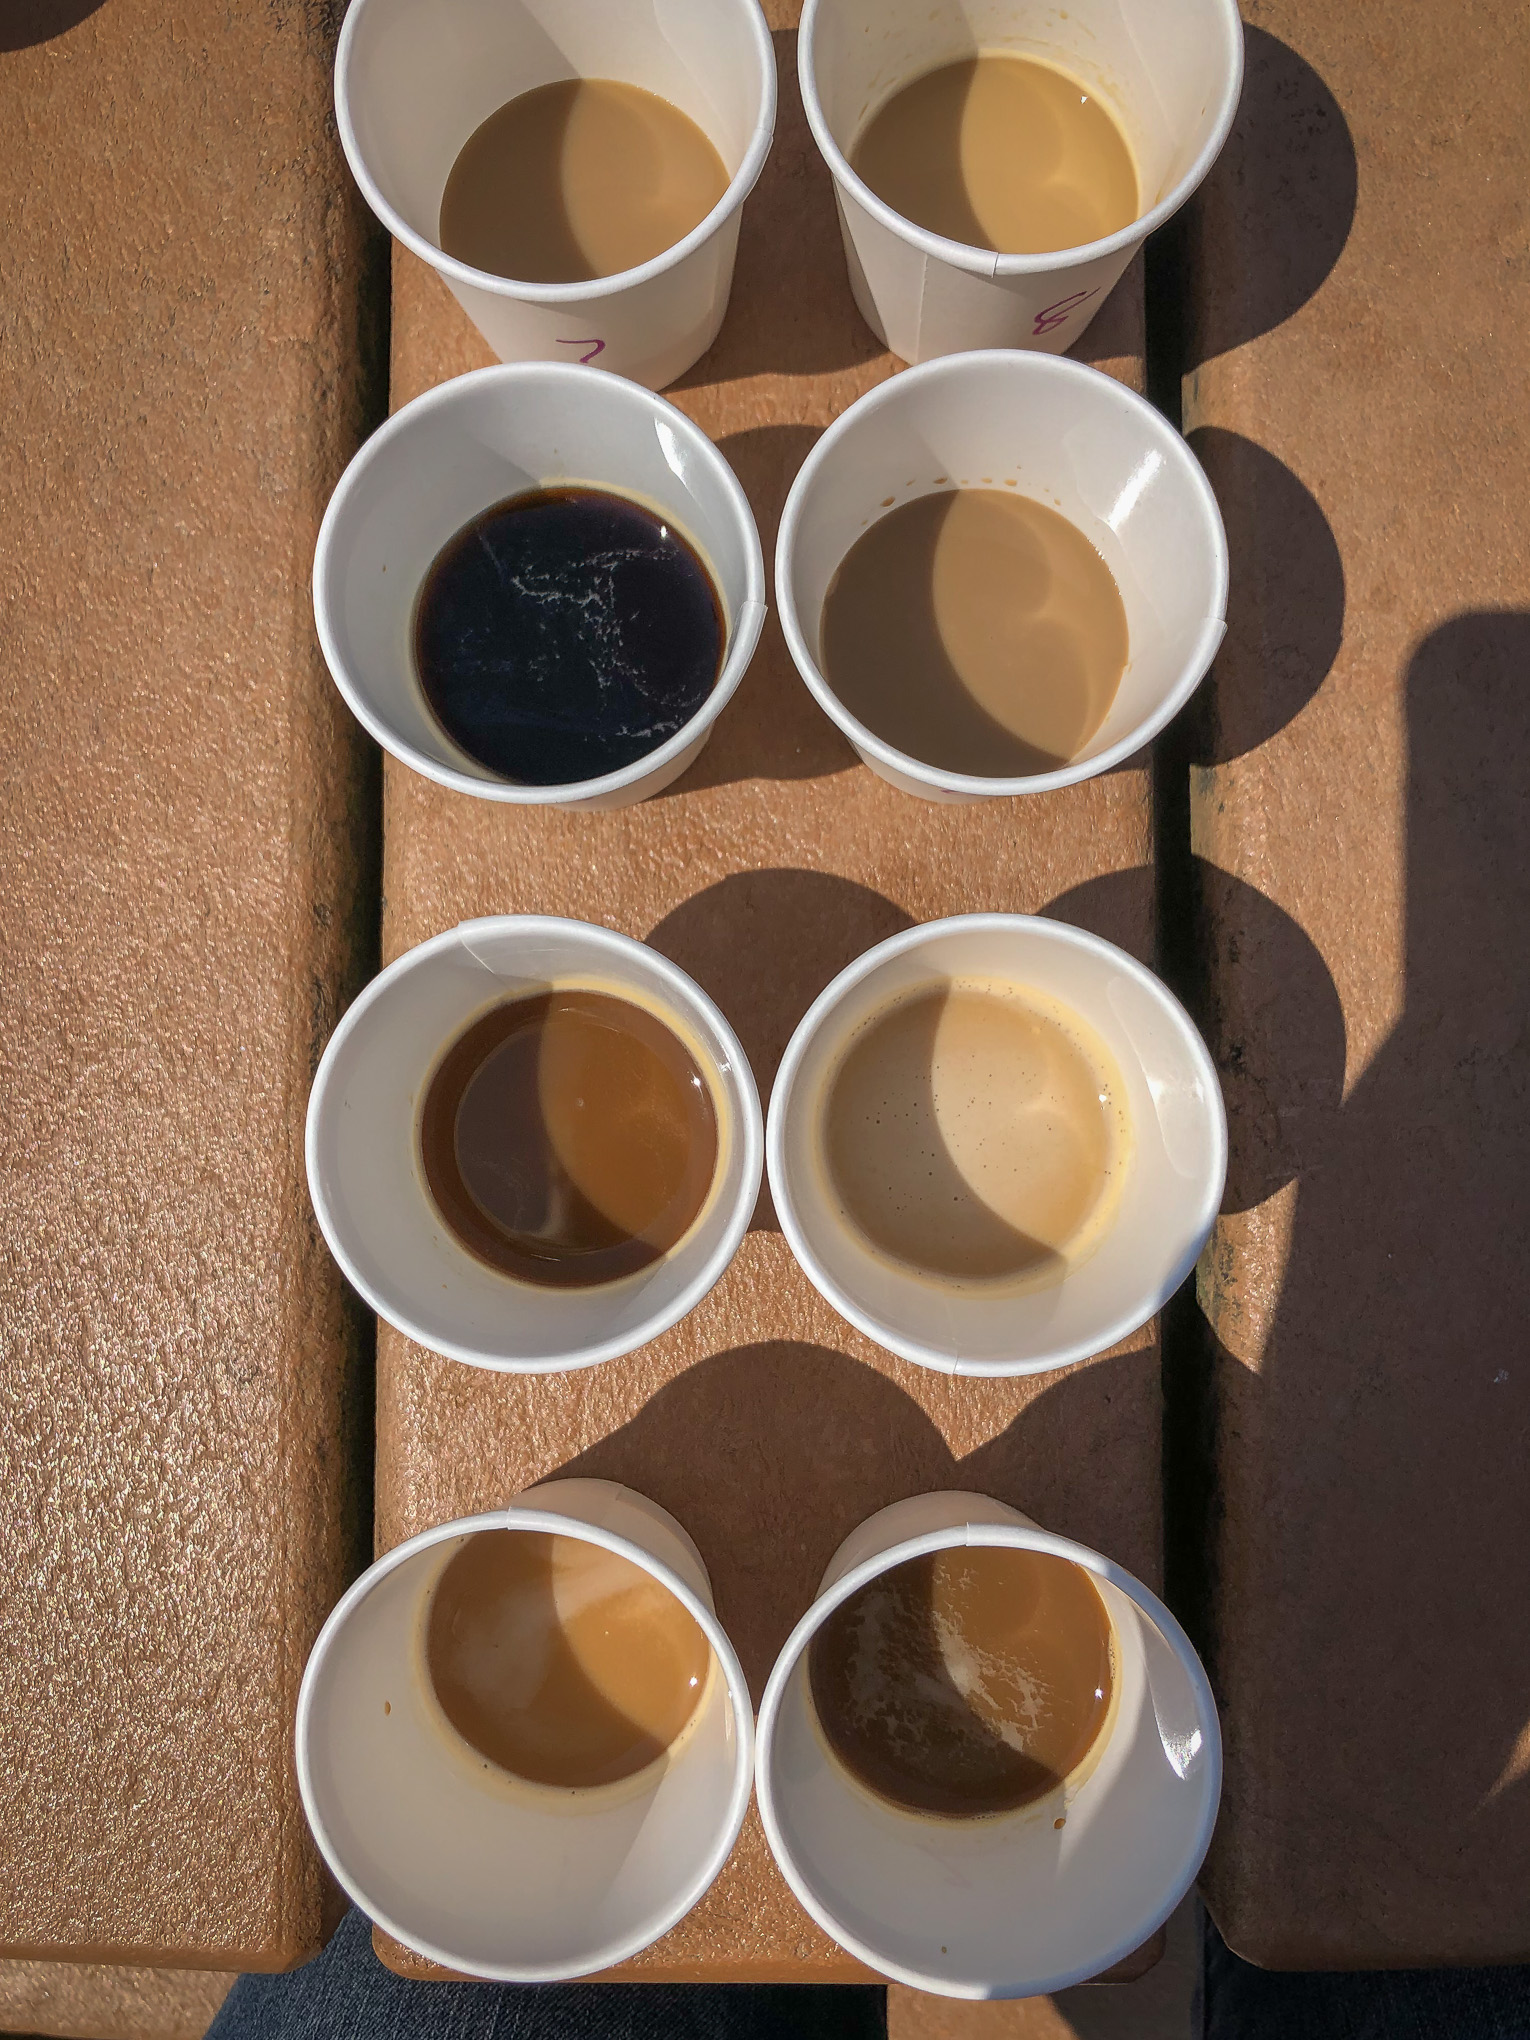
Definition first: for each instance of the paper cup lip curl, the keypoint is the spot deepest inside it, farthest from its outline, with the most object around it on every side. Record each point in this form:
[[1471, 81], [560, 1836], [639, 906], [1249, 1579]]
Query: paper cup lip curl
[[614, 1519], [740, 185], [986, 261], [526, 425], [964, 395], [368, 1190], [1177, 1723], [1174, 1179]]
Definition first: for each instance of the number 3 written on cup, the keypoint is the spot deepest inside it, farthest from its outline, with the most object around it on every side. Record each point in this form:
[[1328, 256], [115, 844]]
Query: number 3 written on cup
[[1062, 311]]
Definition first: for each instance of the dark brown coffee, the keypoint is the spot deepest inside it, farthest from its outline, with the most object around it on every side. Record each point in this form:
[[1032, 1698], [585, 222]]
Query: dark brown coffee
[[559, 1662], [568, 1138], [967, 1683]]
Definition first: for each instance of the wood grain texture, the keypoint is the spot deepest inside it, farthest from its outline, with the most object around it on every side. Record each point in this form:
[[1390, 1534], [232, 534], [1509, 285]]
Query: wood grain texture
[[100, 2001], [182, 921]]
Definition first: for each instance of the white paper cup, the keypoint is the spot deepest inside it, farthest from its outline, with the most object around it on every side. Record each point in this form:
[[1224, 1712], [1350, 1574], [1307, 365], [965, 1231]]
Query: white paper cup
[[1169, 70], [1176, 1166], [366, 1179], [450, 455], [1066, 436], [415, 78], [473, 1871], [1009, 1906]]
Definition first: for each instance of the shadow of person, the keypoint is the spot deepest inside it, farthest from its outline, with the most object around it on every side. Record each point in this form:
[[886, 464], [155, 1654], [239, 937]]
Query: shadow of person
[[1276, 211], [1372, 1533], [771, 1454], [791, 312], [25, 23]]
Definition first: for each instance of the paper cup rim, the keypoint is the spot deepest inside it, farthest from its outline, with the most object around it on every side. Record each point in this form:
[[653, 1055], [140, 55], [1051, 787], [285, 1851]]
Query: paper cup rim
[[985, 261], [688, 994], [1015, 1536], [541, 1520], [740, 184], [1023, 365], [888, 1336], [510, 376]]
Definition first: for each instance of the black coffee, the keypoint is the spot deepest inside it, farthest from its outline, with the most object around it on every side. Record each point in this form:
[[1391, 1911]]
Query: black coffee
[[566, 633]]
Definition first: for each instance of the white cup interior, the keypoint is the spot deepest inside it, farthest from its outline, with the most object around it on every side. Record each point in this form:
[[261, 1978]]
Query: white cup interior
[[1011, 1906], [1174, 1176], [471, 443], [415, 81], [365, 1176], [1065, 436], [1167, 69], [464, 1866]]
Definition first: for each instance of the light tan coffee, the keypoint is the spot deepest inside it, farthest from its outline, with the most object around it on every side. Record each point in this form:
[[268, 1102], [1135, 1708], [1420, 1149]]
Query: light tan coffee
[[976, 1132], [559, 1662], [582, 178], [977, 631], [1001, 152]]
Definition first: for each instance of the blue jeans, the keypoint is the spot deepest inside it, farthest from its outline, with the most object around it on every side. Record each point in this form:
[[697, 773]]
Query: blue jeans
[[347, 1994], [1240, 2002]]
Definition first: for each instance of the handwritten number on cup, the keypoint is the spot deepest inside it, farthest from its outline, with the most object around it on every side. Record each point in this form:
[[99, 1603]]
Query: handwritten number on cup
[[1062, 311]]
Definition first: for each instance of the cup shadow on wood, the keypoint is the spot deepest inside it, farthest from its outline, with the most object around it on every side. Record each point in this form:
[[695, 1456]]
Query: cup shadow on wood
[[764, 944], [1120, 906], [25, 23], [1288, 177], [772, 728], [791, 312], [771, 1454], [1286, 599]]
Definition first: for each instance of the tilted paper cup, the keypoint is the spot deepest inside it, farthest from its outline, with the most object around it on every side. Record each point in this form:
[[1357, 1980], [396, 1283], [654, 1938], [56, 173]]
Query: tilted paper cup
[[453, 453], [367, 1183], [412, 83], [1012, 1905], [1176, 1162], [468, 1870], [1066, 436], [1169, 70]]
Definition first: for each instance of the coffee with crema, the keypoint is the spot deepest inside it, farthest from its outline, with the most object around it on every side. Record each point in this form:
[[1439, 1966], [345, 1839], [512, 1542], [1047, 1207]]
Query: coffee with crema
[[559, 1662], [977, 631], [975, 1132], [1001, 152], [568, 1138], [582, 178], [965, 1683]]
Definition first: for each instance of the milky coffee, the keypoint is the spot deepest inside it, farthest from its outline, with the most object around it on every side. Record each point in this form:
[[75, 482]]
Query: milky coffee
[[1001, 152], [975, 1132], [976, 631], [582, 178]]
